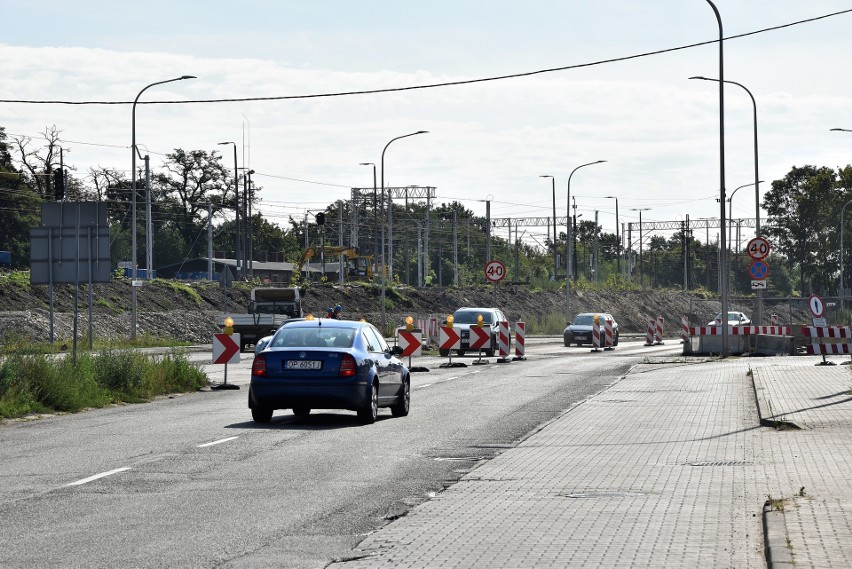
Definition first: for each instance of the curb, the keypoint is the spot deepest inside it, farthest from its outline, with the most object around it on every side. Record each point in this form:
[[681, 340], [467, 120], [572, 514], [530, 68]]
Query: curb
[[775, 538], [764, 410], [778, 554]]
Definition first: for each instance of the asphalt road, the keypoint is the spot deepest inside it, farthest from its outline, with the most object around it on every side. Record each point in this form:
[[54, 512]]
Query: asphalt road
[[191, 481]]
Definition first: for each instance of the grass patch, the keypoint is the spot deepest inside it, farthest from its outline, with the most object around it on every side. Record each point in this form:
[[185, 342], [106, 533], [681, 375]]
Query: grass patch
[[39, 383], [184, 289], [20, 279]]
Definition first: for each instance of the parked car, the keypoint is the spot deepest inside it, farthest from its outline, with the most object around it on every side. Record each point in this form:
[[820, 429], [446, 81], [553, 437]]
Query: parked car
[[328, 364], [734, 319], [262, 343], [579, 331], [464, 318]]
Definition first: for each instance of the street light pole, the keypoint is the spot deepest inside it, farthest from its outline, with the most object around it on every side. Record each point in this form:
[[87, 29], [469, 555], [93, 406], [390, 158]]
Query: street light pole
[[723, 253], [384, 277], [569, 244], [133, 151], [238, 249], [617, 234], [555, 259]]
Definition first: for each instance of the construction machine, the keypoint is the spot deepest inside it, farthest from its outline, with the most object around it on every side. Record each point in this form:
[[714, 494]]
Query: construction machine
[[357, 267]]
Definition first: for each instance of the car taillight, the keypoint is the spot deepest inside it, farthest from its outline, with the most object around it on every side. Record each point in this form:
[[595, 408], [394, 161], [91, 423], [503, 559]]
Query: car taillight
[[258, 366], [348, 366]]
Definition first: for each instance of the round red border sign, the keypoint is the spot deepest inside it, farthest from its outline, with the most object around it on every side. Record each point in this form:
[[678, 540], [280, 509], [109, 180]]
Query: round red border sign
[[495, 271], [816, 305], [758, 248]]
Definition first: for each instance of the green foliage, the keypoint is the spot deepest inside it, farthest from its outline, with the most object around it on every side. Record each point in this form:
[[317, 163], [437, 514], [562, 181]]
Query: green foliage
[[186, 289], [44, 383], [20, 279]]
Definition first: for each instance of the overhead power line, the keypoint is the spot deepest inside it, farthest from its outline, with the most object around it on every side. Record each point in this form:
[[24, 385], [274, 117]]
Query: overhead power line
[[436, 85]]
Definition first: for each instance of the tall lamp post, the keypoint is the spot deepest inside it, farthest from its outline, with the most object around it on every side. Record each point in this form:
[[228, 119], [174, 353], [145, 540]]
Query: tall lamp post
[[731, 221], [555, 259], [723, 253], [842, 227], [133, 151], [384, 277], [617, 234], [238, 249], [641, 264], [569, 244], [759, 301]]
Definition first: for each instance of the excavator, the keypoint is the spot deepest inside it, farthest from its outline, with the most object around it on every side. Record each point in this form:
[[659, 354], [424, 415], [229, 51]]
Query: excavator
[[358, 267]]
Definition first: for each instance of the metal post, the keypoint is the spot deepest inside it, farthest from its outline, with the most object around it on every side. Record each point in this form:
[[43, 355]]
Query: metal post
[[723, 264], [384, 276], [555, 256], [149, 226], [455, 249], [569, 243], [237, 248], [133, 152]]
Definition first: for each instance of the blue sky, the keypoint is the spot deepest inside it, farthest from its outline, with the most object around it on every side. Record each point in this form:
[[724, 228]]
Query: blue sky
[[657, 130]]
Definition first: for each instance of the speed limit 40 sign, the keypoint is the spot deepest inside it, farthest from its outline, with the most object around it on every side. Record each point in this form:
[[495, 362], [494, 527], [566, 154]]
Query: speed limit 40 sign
[[758, 248], [495, 271]]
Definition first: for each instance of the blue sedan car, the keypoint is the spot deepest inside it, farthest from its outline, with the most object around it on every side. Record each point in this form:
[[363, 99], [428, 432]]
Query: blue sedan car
[[329, 364]]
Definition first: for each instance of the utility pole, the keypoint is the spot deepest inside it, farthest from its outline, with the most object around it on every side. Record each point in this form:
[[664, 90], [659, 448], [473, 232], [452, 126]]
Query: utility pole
[[455, 249]]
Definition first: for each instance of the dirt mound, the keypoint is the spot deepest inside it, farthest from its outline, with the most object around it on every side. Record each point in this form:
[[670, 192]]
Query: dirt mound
[[189, 312]]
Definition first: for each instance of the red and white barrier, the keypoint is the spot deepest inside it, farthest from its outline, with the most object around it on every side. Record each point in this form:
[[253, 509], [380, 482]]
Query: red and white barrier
[[649, 337], [773, 320], [503, 342], [742, 330], [658, 331], [827, 331], [822, 349], [432, 331], [684, 329], [608, 341], [520, 333]]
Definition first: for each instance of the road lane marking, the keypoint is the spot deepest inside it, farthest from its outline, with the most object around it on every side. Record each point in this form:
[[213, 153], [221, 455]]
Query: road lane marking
[[422, 386], [220, 441], [98, 476]]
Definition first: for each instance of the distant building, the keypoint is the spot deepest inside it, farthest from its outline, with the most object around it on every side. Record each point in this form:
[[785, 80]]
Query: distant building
[[274, 272]]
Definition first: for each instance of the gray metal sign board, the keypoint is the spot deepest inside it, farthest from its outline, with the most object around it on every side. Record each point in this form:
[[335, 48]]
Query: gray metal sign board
[[73, 247]]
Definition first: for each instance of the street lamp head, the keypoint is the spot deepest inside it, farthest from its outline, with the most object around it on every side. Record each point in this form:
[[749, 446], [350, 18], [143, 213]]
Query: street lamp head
[[599, 162], [250, 172], [702, 78], [188, 77], [546, 176], [422, 132], [221, 143], [841, 129]]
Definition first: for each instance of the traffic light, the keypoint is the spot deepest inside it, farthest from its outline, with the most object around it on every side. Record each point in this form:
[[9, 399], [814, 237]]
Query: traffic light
[[320, 217], [59, 185]]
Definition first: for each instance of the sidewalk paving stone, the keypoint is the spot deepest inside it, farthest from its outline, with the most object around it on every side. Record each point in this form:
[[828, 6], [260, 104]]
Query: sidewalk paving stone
[[669, 467]]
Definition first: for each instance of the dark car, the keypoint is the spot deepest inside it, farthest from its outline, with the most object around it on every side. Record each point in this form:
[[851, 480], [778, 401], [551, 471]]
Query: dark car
[[580, 330], [328, 364], [464, 318]]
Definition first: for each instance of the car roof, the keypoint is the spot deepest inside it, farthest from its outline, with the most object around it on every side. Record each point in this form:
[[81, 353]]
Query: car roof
[[329, 323]]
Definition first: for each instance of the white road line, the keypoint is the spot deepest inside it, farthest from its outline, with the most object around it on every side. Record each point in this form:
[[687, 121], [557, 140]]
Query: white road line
[[422, 386], [210, 444], [97, 476]]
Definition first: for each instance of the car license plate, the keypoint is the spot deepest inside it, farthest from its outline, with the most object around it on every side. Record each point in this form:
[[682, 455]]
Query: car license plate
[[304, 364], [581, 337]]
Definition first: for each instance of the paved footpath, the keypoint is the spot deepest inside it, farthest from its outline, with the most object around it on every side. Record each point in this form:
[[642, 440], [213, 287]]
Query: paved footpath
[[671, 466]]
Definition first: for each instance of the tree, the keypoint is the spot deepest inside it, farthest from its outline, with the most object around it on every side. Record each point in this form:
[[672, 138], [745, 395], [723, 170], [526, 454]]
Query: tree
[[804, 218], [19, 210], [180, 195]]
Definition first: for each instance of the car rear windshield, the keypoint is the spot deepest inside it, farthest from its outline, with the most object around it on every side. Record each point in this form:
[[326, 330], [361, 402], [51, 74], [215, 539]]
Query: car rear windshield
[[325, 337], [585, 319], [469, 317]]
